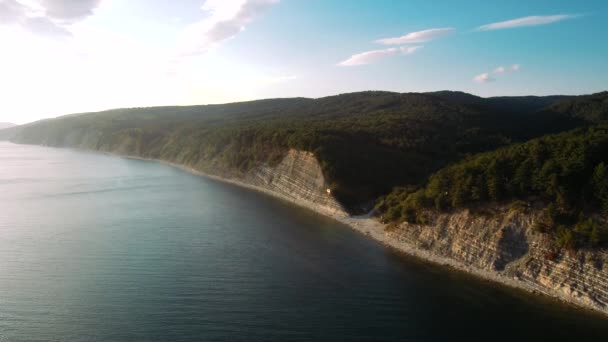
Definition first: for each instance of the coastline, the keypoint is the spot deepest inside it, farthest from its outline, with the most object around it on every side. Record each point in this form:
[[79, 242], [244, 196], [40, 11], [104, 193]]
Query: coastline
[[372, 228], [367, 225]]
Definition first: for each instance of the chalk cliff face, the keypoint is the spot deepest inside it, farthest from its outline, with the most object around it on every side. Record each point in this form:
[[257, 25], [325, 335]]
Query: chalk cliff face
[[298, 178], [504, 247]]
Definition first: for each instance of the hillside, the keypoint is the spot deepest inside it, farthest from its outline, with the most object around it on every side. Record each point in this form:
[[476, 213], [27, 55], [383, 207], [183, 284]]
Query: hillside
[[390, 139], [591, 108], [507, 104]]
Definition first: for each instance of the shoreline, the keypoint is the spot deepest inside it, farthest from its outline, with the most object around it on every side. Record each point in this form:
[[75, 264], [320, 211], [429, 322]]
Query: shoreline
[[372, 228]]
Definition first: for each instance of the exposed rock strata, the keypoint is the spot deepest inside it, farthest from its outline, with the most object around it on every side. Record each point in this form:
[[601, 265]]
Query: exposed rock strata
[[298, 178], [504, 245]]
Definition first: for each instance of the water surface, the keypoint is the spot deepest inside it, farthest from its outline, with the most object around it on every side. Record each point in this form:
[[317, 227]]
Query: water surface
[[100, 248]]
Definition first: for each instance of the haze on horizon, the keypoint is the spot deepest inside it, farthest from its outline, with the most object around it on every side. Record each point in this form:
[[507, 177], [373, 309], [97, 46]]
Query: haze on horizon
[[60, 56]]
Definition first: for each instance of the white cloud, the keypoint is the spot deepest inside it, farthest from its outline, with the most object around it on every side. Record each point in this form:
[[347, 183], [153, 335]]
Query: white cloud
[[376, 55], [535, 20], [69, 11], [484, 78], [501, 70], [226, 18], [46, 17], [410, 38], [417, 37]]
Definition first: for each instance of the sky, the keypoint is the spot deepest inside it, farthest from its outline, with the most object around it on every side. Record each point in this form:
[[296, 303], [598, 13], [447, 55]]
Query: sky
[[69, 56]]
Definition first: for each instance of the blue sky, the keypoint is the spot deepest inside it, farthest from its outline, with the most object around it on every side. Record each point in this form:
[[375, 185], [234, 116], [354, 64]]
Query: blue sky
[[62, 58]]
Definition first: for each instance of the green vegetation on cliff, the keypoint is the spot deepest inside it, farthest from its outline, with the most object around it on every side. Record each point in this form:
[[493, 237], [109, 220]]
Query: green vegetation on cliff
[[567, 170]]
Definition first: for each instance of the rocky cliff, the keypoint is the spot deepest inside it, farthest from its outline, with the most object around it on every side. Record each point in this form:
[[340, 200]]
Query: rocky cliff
[[502, 246], [298, 178]]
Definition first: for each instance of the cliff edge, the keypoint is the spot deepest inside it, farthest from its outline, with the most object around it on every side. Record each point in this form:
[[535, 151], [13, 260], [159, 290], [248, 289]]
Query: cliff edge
[[297, 178]]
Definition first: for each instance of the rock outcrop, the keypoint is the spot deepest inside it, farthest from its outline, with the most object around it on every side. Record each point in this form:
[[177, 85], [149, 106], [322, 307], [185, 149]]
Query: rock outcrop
[[297, 178], [502, 246]]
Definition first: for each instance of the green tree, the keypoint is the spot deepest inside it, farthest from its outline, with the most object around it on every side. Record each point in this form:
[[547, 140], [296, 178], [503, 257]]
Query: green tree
[[600, 185]]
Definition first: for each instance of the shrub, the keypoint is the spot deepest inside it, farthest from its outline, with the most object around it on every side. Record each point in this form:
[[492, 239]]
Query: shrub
[[518, 206], [393, 214], [565, 238]]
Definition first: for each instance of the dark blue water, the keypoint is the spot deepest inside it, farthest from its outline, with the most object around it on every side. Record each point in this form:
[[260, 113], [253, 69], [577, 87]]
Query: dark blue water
[[99, 248]]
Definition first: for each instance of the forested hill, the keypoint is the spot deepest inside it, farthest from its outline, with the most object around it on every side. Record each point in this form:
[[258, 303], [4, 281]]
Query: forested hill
[[590, 108], [508, 104], [368, 143]]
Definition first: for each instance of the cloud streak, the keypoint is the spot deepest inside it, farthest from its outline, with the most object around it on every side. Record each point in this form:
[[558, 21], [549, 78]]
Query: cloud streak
[[417, 37], [226, 19], [535, 20], [369, 57], [69, 11], [484, 78], [501, 70]]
